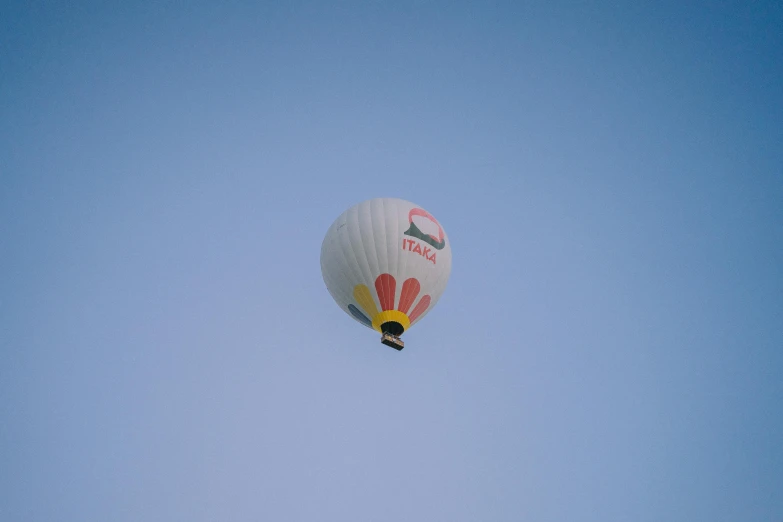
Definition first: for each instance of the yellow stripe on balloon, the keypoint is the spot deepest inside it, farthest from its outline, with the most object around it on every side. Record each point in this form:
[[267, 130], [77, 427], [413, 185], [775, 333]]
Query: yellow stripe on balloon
[[363, 296], [390, 315]]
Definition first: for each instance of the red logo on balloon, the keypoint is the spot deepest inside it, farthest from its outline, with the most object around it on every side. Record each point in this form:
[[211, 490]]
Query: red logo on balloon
[[431, 224], [431, 235]]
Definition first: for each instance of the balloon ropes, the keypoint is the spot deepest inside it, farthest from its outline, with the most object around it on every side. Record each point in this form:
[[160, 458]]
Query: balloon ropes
[[386, 263]]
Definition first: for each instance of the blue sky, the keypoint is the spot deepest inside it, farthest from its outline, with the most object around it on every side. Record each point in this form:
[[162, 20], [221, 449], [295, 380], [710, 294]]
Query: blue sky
[[608, 348]]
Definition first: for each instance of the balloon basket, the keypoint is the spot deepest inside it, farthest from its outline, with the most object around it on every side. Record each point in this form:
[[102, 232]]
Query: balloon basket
[[393, 341]]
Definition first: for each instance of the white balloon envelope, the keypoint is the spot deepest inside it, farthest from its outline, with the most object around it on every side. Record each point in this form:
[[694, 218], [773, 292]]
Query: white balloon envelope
[[386, 262]]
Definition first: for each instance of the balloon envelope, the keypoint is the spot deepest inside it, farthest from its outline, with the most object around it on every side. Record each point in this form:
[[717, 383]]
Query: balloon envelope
[[386, 263]]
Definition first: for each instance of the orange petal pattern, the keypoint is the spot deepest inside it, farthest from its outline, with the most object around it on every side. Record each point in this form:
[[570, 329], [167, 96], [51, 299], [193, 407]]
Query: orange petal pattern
[[419, 309], [386, 287], [410, 290]]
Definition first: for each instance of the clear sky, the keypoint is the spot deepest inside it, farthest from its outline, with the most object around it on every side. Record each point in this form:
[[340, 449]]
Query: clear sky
[[609, 348]]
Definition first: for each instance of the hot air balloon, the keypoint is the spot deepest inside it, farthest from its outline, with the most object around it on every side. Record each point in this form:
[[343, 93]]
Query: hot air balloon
[[386, 263]]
